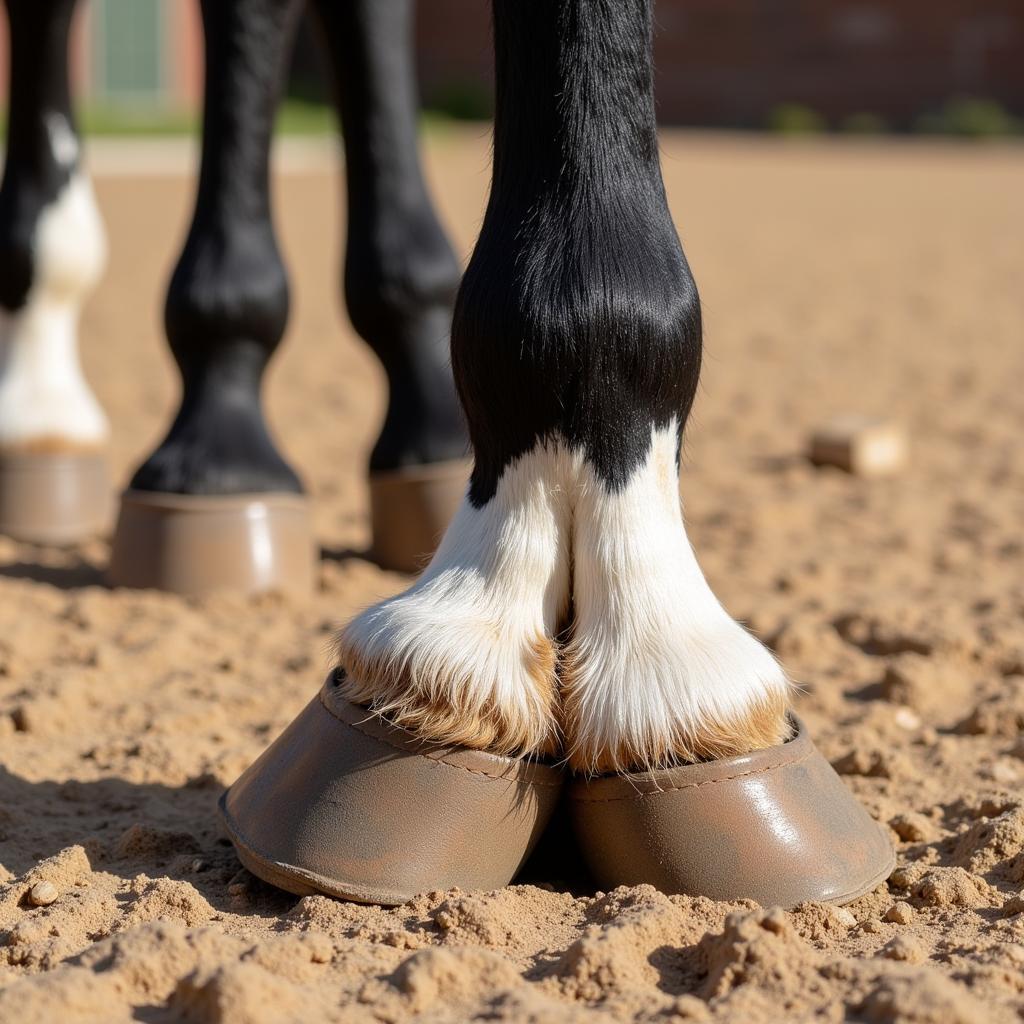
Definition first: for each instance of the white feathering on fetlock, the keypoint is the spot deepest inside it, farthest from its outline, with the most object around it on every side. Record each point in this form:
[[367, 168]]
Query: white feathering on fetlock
[[655, 671], [467, 654]]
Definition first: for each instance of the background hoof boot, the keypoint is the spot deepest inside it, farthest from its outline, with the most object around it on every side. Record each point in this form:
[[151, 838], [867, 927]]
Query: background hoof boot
[[198, 544], [60, 497], [411, 508]]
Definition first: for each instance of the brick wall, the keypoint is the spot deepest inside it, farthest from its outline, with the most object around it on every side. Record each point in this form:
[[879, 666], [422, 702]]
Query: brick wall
[[730, 61], [719, 62]]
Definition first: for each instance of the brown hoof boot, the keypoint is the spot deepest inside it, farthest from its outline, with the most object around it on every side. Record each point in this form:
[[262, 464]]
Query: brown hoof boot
[[776, 826], [54, 497], [411, 508], [198, 544], [344, 804]]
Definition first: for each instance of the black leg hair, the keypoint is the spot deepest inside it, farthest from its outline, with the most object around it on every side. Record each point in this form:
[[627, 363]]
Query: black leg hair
[[227, 304], [400, 271], [42, 139], [577, 313]]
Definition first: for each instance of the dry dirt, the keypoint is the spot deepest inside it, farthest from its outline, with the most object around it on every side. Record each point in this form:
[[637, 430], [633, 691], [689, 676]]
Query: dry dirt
[[880, 279]]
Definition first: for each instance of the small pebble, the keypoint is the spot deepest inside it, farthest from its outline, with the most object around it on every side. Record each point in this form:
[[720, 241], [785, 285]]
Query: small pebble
[[689, 1008], [844, 917], [872, 926], [900, 913], [321, 949], [42, 894], [906, 719], [912, 827], [905, 949], [1014, 905]]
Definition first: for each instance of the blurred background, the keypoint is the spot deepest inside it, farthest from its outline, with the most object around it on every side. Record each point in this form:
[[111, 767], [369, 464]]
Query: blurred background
[[792, 66]]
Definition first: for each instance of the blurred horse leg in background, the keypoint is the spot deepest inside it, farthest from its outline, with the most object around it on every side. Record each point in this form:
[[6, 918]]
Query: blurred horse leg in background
[[216, 504], [218, 471], [53, 482], [227, 304], [400, 277]]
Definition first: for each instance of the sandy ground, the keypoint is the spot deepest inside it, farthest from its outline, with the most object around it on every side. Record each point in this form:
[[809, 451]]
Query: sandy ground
[[836, 277]]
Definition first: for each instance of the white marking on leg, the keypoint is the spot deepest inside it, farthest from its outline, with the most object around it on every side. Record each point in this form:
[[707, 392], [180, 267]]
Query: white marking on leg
[[43, 395], [466, 655], [656, 669], [63, 141]]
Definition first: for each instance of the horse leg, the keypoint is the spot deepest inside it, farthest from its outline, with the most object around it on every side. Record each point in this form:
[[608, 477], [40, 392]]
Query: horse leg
[[218, 471], [52, 251], [400, 277]]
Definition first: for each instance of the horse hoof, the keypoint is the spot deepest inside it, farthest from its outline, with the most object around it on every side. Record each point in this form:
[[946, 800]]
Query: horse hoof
[[776, 826], [198, 544], [411, 508], [345, 804], [54, 497]]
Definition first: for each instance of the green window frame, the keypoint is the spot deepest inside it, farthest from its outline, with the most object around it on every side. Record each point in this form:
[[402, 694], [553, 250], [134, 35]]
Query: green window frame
[[128, 49]]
